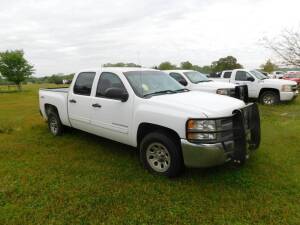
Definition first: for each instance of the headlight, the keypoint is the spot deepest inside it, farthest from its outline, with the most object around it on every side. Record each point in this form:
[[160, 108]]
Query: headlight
[[209, 130], [196, 130], [223, 91], [201, 125], [286, 88]]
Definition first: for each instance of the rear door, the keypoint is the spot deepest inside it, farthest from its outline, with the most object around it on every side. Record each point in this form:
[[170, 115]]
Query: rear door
[[79, 101], [111, 118]]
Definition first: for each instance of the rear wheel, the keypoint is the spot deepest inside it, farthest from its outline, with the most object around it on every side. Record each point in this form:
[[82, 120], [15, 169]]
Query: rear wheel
[[269, 98], [160, 154], [54, 124]]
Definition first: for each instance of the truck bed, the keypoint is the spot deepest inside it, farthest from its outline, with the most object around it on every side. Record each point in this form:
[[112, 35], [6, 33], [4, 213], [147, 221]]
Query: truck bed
[[57, 97]]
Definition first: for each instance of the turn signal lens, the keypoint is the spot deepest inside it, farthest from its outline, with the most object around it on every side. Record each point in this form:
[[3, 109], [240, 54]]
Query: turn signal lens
[[201, 136], [201, 125]]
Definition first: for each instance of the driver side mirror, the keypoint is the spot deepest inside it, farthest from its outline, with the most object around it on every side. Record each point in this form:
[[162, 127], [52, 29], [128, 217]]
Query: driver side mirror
[[116, 93], [250, 79]]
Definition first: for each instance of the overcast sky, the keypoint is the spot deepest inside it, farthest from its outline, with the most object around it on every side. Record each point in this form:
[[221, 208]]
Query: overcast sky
[[68, 35]]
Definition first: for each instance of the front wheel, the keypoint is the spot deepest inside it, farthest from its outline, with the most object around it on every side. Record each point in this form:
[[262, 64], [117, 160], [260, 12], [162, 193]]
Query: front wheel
[[160, 154], [269, 98]]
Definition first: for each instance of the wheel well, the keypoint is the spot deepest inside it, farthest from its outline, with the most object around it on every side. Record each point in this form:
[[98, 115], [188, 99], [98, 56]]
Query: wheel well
[[146, 128], [263, 90], [50, 108]]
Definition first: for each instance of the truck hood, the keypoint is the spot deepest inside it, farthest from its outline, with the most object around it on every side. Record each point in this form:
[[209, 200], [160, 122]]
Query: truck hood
[[279, 82], [198, 104], [215, 84]]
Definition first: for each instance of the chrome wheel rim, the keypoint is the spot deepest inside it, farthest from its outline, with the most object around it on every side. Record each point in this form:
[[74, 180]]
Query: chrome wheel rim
[[268, 99], [53, 125], [158, 157]]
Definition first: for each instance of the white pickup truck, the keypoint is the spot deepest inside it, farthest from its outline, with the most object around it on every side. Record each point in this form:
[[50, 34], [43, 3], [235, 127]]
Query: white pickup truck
[[278, 74], [197, 81], [171, 126], [268, 91]]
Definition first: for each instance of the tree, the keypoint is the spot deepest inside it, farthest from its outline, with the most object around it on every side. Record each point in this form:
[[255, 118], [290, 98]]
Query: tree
[[121, 64], [14, 67], [227, 63], [186, 65], [166, 66], [269, 67], [286, 47], [204, 69]]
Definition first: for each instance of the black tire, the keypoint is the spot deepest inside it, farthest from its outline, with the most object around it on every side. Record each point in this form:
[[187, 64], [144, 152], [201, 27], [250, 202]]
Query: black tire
[[269, 98], [161, 140], [54, 124]]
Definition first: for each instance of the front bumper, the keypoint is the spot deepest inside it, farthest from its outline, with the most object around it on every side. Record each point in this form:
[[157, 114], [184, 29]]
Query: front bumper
[[245, 137], [206, 155], [287, 96]]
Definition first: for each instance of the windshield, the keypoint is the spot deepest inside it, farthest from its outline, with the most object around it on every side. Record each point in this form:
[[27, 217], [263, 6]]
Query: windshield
[[145, 83], [196, 77], [258, 75]]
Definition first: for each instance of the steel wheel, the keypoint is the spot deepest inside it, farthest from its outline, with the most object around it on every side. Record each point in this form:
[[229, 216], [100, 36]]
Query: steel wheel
[[53, 124], [269, 99], [158, 157]]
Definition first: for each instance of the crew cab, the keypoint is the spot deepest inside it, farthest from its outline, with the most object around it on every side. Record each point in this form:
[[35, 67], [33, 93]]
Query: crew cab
[[267, 91], [171, 126], [197, 81]]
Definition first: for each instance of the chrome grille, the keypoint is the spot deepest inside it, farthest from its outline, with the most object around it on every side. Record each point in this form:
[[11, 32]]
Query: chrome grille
[[227, 125], [232, 92]]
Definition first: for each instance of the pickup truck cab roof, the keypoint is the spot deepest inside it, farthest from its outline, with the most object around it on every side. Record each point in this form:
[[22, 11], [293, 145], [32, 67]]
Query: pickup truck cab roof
[[149, 110]]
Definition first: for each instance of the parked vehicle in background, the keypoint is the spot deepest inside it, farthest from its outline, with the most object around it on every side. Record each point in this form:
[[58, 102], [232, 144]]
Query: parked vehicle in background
[[278, 74], [197, 81], [267, 75], [144, 108], [267, 91], [293, 76]]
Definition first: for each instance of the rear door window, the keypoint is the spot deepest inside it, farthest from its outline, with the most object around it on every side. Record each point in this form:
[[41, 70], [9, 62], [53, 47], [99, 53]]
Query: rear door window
[[227, 75], [84, 83]]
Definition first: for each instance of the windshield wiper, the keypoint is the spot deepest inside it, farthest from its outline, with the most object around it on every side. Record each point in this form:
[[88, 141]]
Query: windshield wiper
[[200, 81], [160, 92], [182, 90]]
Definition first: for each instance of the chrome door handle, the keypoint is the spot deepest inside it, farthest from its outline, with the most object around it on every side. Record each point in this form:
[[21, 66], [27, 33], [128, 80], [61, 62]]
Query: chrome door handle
[[96, 105]]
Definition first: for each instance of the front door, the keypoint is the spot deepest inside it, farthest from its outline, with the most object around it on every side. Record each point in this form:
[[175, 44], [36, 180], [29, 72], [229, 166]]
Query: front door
[[245, 78], [110, 117]]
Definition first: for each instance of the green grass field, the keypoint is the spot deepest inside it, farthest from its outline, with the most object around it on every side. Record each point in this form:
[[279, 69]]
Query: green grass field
[[79, 178]]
